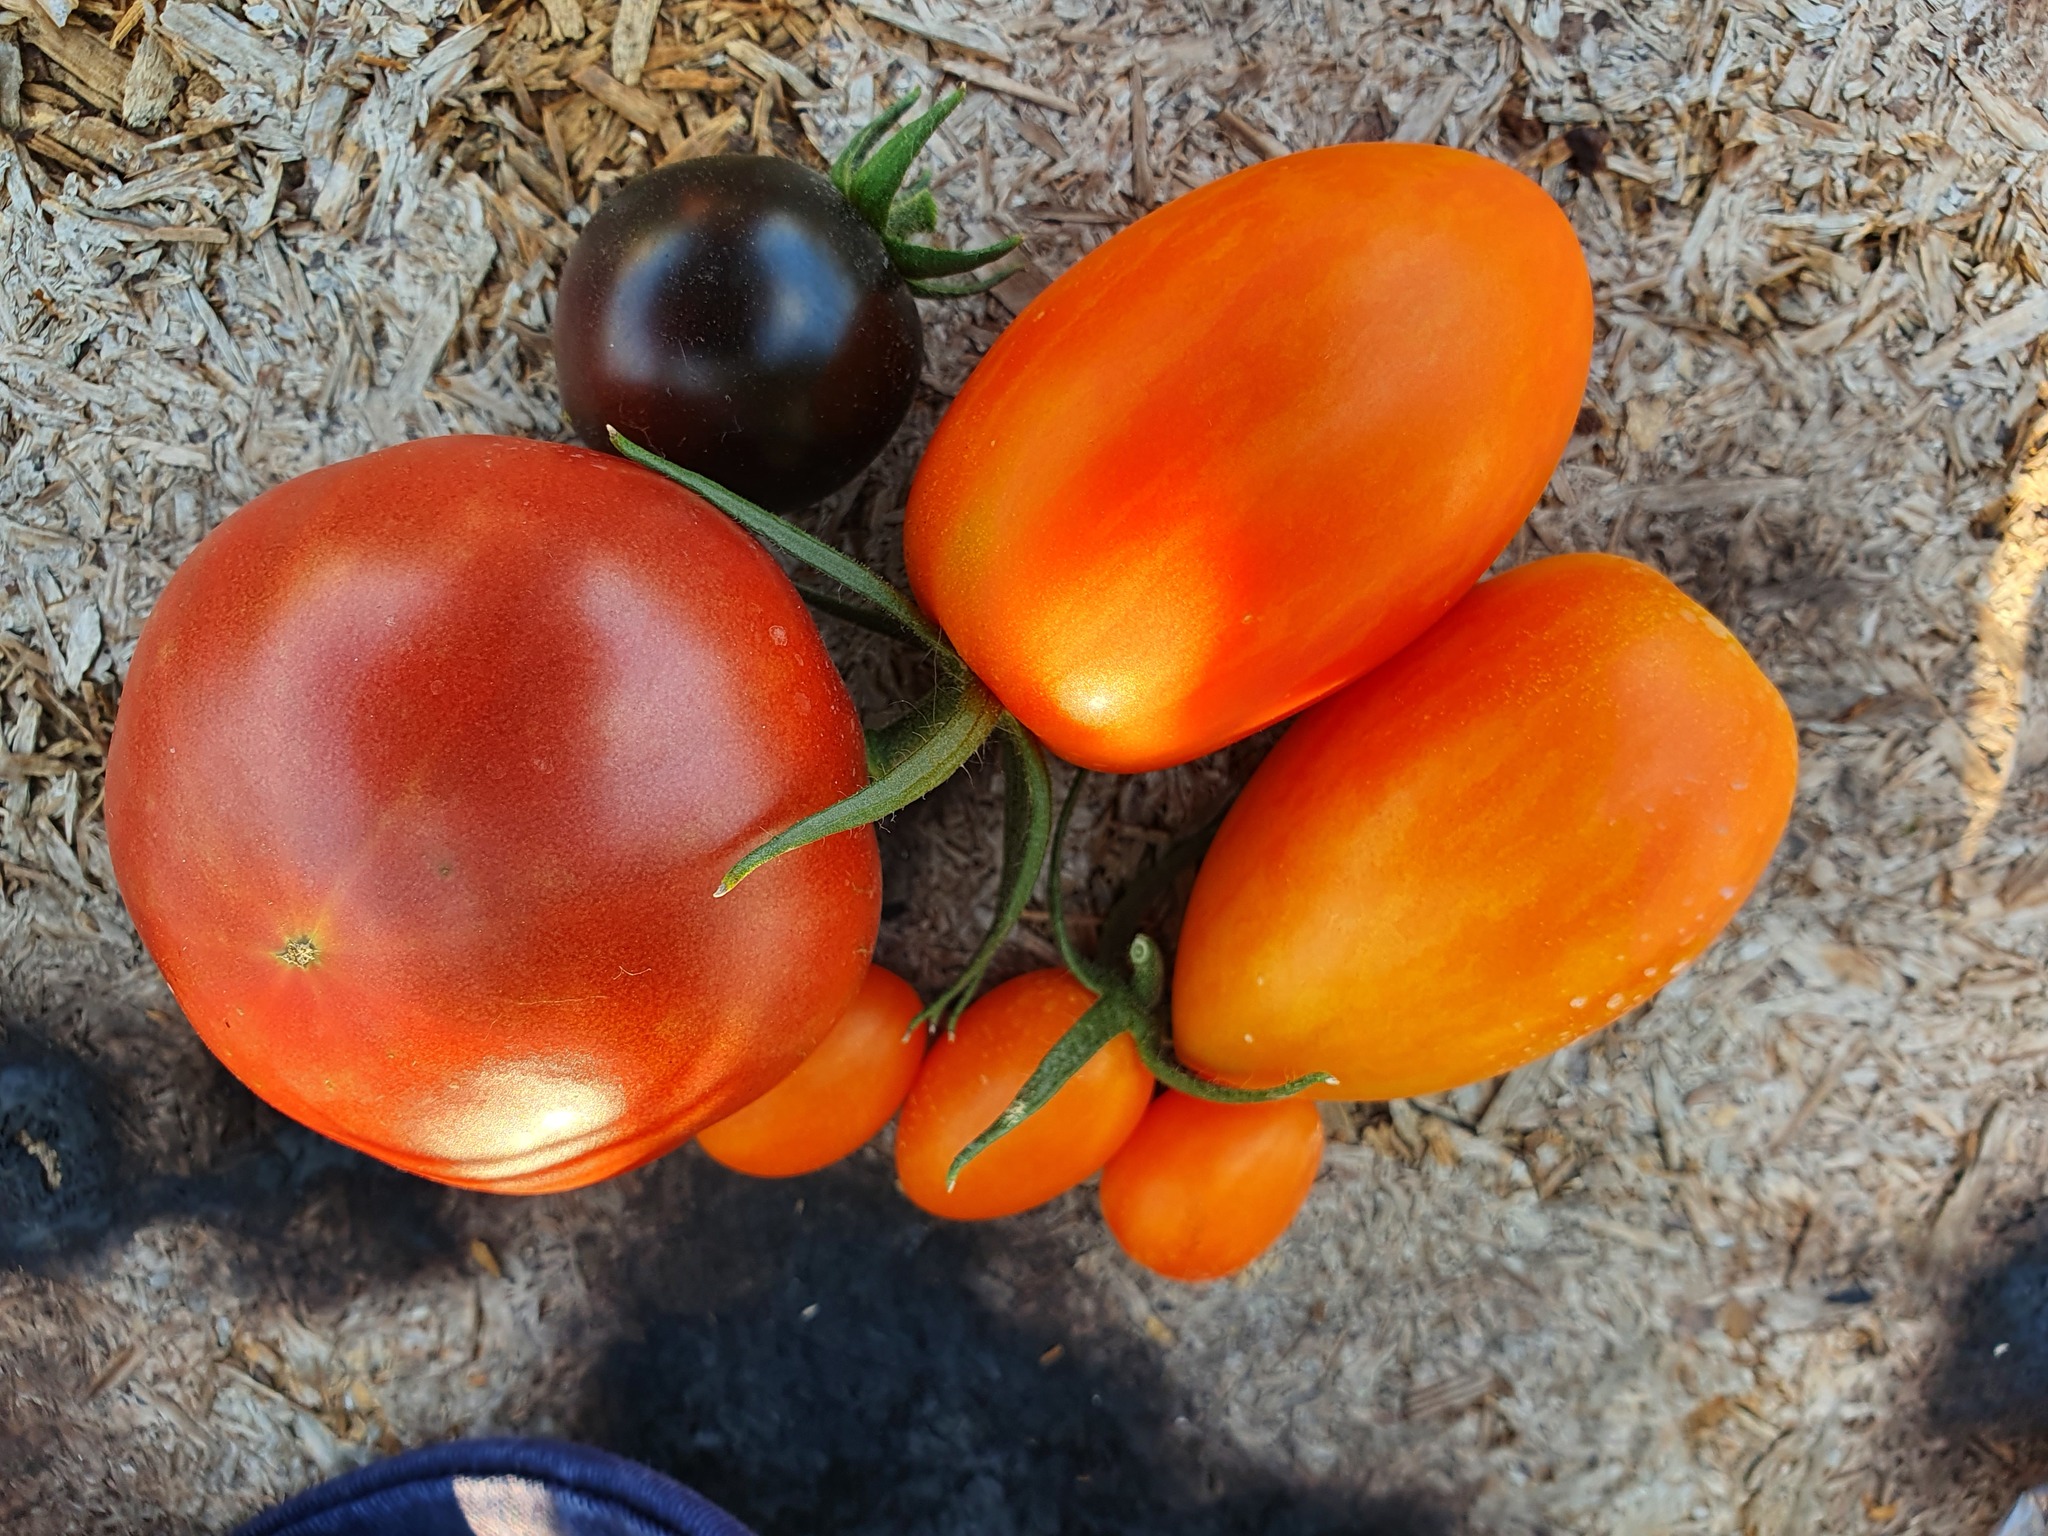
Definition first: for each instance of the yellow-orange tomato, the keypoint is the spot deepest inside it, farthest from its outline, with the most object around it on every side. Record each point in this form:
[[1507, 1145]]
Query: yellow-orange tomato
[[844, 1092], [1202, 1189], [1515, 831], [1252, 446], [968, 1080]]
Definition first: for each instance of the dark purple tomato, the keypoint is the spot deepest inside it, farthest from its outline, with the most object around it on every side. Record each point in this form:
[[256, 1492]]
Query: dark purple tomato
[[737, 315]]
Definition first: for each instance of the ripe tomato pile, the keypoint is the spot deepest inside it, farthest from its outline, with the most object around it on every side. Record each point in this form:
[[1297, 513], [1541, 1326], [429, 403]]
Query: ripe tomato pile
[[494, 807]]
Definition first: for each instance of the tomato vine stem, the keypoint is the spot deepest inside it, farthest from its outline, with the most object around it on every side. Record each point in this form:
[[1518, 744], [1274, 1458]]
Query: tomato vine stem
[[1131, 1002], [916, 752]]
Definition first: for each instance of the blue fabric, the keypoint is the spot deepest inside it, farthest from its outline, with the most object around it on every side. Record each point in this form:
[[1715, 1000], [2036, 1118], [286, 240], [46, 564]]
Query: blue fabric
[[498, 1488]]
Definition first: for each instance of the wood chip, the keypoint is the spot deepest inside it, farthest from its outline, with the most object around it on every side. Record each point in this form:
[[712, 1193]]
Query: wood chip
[[150, 89], [1451, 1394], [97, 71], [1957, 1219], [566, 19], [168, 234], [119, 1367], [954, 34], [102, 140], [709, 139], [990, 80], [1251, 135], [1670, 1116], [632, 36], [636, 106], [766, 65], [1845, 1056], [1143, 187]]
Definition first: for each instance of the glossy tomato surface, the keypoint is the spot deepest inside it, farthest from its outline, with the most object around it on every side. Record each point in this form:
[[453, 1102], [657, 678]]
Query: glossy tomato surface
[[843, 1093], [1514, 832], [425, 770], [968, 1080], [1202, 1189], [736, 315], [1251, 446]]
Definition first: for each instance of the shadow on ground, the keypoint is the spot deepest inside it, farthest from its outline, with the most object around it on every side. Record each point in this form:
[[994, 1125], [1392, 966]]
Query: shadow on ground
[[78, 1174], [821, 1357], [1991, 1380], [816, 1354]]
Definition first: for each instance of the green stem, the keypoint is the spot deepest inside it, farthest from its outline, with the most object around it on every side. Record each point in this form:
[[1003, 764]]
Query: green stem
[[798, 545], [1155, 1044], [1088, 1034], [951, 738], [1120, 922], [873, 620], [1027, 829], [1085, 970]]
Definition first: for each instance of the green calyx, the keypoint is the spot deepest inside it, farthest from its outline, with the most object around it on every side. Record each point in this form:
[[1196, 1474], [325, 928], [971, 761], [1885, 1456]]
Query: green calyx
[[870, 173], [1130, 999], [917, 751]]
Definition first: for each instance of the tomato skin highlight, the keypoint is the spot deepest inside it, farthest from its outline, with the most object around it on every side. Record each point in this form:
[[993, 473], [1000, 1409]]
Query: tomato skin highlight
[[426, 768], [1251, 446], [1505, 838], [968, 1080], [843, 1093], [1202, 1189]]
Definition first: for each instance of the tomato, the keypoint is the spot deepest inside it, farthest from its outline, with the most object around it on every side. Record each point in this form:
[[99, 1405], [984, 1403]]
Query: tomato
[[752, 320], [1201, 1189], [737, 316], [969, 1079], [1252, 446], [426, 768], [1508, 836], [844, 1092]]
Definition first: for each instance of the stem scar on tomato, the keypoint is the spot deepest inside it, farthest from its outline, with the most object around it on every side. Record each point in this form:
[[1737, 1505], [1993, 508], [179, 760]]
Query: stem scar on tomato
[[299, 951]]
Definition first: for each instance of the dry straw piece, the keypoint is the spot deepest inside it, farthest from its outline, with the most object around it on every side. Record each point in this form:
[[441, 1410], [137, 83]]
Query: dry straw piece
[[1694, 1274]]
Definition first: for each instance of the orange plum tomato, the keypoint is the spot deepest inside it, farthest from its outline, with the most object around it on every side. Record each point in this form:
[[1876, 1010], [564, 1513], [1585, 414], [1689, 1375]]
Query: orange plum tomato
[[969, 1079], [1202, 1189], [1251, 446], [1519, 829], [844, 1092], [426, 768]]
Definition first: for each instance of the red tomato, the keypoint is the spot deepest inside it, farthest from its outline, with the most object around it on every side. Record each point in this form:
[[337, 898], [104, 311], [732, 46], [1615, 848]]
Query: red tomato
[[1517, 830], [968, 1080], [425, 771], [1252, 446], [1202, 1189], [844, 1092]]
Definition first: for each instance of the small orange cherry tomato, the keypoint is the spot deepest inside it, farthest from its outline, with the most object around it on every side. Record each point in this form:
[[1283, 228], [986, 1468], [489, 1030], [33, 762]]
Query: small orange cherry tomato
[[1514, 832], [968, 1080], [842, 1094], [1202, 1189]]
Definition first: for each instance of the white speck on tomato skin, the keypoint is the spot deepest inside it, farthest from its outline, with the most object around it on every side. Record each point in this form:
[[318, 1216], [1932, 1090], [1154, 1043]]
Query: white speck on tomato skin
[[778, 634], [1579, 1002], [1616, 1001]]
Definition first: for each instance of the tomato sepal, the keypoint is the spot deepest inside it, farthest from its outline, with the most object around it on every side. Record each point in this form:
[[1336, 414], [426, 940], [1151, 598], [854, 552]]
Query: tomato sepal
[[923, 262], [1132, 1003], [798, 545], [944, 731], [1107, 1018]]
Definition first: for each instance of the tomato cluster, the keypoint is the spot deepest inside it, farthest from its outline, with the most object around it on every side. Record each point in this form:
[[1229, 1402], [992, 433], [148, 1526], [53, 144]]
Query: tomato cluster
[[495, 808]]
